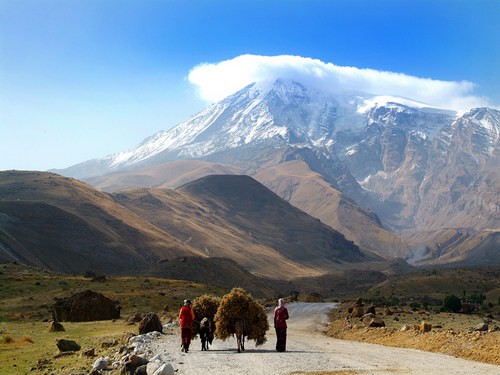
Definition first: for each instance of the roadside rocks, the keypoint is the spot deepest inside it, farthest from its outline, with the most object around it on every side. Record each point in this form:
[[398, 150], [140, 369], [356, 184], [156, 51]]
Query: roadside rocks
[[101, 363], [134, 358]]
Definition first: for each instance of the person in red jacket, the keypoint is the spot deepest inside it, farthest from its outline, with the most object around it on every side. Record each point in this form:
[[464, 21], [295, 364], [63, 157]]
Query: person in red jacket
[[186, 318], [280, 317]]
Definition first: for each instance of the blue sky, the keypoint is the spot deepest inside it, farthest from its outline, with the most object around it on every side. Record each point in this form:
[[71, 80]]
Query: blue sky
[[83, 79]]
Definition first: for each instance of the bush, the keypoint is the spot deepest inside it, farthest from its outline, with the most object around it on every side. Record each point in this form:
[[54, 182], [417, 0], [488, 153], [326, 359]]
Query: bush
[[238, 304], [204, 306], [7, 339], [452, 303], [415, 305], [394, 301]]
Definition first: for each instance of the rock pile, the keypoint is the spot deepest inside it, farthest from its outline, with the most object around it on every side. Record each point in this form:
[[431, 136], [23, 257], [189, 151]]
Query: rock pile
[[134, 357]]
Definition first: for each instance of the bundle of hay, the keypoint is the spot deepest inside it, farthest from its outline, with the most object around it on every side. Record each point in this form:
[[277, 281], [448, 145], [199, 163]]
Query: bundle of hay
[[238, 304], [204, 306]]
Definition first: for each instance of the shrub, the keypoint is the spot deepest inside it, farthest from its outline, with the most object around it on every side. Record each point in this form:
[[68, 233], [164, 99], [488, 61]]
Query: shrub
[[7, 339], [452, 303], [238, 304], [415, 305], [394, 301]]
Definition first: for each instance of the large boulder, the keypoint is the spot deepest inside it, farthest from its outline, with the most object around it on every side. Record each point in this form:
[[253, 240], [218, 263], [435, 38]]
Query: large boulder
[[481, 327], [56, 327], [150, 323], [67, 345], [84, 307], [425, 326], [376, 323], [357, 311]]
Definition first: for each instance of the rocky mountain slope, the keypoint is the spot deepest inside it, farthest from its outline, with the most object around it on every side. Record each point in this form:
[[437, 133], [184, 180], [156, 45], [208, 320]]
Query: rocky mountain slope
[[307, 190]]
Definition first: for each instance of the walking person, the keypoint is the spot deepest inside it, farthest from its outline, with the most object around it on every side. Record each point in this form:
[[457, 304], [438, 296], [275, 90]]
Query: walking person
[[186, 318], [280, 317]]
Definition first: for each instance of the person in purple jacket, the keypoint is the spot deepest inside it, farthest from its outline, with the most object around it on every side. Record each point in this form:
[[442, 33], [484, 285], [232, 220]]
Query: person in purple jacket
[[280, 317]]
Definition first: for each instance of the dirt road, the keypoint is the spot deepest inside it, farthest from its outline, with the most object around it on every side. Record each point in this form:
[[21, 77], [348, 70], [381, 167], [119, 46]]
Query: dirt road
[[308, 349]]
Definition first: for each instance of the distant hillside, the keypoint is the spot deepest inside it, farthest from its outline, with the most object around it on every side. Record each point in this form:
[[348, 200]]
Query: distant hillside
[[270, 219], [293, 181], [238, 218], [65, 225]]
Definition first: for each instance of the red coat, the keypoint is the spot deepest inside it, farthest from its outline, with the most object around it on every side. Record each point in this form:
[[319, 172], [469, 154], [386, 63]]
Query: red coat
[[280, 317], [186, 317]]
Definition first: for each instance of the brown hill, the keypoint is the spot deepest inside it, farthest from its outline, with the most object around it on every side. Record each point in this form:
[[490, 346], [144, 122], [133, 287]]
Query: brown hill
[[68, 226], [269, 219], [295, 182], [238, 218], [166, 175]]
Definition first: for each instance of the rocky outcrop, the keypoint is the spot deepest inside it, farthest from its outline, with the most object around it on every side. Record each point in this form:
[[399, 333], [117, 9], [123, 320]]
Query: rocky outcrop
[[67, 345], [150, 323]]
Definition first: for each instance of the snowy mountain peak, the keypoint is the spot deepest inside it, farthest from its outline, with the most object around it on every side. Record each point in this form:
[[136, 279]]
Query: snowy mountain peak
[[283, 113]]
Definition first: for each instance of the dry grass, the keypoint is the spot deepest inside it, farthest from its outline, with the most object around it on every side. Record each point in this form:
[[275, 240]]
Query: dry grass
[[451, 333], [27, 292], [35, 351], [26, 345]]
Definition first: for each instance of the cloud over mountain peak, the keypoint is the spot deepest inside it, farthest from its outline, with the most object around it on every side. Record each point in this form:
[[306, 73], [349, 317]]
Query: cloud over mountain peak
[[218, 80]]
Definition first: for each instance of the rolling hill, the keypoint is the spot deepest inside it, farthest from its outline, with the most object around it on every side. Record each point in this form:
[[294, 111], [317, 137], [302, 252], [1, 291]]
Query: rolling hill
[[66, 225]]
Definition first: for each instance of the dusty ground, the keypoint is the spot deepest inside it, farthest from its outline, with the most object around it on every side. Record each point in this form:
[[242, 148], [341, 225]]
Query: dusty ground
[[451, 334], [310, 351]]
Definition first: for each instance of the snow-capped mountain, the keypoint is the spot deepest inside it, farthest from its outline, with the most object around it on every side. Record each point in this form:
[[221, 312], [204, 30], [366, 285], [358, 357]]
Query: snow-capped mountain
[[398, 157], [284, 112]]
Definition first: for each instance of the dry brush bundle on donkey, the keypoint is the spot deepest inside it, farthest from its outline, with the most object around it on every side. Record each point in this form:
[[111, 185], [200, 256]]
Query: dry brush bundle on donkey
[[205, 307], [236, 306]]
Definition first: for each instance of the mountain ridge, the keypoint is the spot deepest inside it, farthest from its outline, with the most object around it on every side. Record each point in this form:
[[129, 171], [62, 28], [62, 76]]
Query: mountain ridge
[[416, 167]]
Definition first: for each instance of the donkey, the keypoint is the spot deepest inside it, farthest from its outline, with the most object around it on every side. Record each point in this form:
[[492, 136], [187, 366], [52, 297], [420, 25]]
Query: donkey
[[239, 331], [206, 333]]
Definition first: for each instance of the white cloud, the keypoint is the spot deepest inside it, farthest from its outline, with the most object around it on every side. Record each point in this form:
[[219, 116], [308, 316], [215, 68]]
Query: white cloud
[[218, 80]]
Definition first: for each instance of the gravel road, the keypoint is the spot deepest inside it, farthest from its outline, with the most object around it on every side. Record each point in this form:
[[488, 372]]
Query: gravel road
[[308, 349]]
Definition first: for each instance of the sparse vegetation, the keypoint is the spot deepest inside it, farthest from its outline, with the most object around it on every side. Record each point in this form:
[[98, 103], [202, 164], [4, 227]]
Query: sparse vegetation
[[452, 304], [450, 333]]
